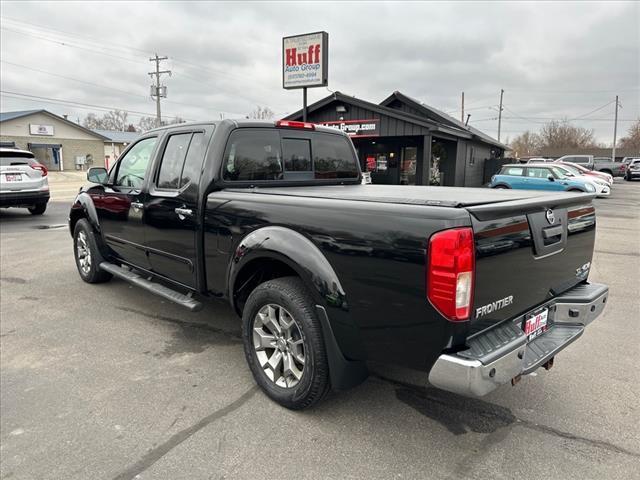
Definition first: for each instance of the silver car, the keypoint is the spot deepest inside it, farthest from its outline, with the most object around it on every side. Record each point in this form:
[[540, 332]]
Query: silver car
[[23, 181]]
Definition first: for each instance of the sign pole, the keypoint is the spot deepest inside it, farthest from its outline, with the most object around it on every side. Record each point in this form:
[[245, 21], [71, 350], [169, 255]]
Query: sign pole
[[304, 104]]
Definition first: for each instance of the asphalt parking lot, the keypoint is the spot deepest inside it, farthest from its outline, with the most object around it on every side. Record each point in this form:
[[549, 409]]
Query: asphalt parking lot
[[110, 382]]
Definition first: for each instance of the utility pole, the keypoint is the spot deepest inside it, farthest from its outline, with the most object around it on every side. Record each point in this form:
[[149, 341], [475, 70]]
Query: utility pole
[[462, 114], [158, 91], [615, 132], [500, 113]]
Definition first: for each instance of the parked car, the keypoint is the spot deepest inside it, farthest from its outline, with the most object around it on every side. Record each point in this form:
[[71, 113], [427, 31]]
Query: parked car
[[627, 160], [600, 164], [539, 160], [23, 181], [633, 170], [328, 274], [603, 189], [539, 177], [592, 173]]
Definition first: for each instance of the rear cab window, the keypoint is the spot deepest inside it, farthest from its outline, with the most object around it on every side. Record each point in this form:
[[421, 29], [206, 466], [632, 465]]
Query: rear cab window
[[254, 154]]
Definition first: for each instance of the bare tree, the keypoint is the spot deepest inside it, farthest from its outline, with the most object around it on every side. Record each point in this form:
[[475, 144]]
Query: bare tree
[[146, 123], [632, 140], [562, 134], [526, 144], [115, 120], [262, 113], [93, 122]]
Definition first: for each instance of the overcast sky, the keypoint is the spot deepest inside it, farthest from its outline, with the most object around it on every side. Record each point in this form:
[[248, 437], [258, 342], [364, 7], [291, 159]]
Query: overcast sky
[[554, 60]]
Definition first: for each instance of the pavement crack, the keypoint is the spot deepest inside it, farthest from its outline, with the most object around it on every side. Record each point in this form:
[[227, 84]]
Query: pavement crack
[[576, 438], [155, 454], [461, 414]]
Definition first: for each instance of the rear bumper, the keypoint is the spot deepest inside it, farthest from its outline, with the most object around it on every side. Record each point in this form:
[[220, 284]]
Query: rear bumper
[[20, 199], [501, 354]]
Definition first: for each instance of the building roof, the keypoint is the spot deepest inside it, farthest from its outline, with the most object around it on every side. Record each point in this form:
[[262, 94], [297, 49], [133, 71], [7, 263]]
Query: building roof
[[439, 116], [116, 136], [382, 110], [6, 116]]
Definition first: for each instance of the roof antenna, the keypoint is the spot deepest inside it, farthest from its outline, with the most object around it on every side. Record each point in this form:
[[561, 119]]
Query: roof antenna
[[467, 122]]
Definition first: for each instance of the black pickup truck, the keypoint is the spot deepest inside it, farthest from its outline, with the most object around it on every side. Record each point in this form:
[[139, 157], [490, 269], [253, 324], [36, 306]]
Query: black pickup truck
[[475, 287]]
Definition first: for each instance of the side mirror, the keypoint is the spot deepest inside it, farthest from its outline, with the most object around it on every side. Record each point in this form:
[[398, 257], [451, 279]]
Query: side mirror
[[98, 175], [550, 178]]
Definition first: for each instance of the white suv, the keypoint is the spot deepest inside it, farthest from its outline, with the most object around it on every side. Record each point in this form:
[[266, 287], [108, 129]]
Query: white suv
[[23, 181]]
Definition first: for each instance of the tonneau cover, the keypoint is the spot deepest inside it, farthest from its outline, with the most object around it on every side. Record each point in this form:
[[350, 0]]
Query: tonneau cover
[[422, 195]]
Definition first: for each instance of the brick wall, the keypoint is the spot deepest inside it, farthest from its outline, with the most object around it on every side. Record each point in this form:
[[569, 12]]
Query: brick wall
[[70, 148]]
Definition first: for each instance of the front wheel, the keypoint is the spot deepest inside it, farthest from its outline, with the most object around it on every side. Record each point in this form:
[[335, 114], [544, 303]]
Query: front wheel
[[283, 343], [87, 255], [38, 209]]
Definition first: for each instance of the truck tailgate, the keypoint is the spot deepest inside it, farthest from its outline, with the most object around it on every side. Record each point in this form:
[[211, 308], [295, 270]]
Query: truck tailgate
[[528, 251]]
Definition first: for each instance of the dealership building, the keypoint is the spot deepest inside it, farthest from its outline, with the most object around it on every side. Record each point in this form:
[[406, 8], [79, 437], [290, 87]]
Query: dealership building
[[57, 143], [402, 141]]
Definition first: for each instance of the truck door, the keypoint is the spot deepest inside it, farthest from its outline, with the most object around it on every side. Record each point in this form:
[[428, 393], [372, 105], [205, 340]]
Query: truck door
[[171, 210], [119, 204]]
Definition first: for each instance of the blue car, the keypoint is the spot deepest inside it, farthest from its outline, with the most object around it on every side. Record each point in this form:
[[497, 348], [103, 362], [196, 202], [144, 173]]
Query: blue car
[[538, 177]]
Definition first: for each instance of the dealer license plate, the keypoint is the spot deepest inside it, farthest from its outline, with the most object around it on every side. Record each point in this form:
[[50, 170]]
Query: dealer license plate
[[535, 324], [13, 177]]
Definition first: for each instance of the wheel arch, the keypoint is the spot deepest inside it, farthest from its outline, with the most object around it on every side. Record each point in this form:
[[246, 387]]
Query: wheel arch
[[83, 207], [284, 252]]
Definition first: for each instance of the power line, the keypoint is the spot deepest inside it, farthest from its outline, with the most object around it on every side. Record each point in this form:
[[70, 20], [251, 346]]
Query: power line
[[117, 90], [80, 104], [88, 39], [72, 79], [65, 44]]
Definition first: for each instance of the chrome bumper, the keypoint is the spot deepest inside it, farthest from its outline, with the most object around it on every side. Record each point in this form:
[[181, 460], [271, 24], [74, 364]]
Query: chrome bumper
[[500, 361]]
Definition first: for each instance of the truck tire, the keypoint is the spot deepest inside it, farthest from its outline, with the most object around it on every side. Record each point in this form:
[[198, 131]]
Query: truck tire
[[38, 208], [283, 343], [87, 254]]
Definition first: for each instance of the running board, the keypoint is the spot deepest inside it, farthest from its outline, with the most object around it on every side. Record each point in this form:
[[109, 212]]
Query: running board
[[165, 292]]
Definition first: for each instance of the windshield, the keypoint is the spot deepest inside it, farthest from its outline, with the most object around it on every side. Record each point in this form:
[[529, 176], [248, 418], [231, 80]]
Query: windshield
[[558, 172], [580, 168], [572, 170]]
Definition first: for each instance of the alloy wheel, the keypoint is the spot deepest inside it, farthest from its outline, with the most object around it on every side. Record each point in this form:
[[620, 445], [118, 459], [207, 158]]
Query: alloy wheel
[[83, 253], [279, 345]]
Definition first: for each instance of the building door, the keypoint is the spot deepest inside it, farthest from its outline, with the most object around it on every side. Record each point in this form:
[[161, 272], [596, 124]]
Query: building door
[[408, 163], [48, 155]]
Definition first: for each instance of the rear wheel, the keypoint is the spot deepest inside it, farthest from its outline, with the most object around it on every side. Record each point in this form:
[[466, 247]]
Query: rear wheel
[[38, 209], [503, 187], [87, 255], [283, 343]]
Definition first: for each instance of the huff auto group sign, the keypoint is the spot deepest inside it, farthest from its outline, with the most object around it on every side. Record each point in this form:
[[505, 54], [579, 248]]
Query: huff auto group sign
[[305, 60], [356, 128]]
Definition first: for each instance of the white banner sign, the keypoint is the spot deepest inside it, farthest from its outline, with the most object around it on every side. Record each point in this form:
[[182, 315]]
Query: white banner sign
[[41, 129], [305, 60]]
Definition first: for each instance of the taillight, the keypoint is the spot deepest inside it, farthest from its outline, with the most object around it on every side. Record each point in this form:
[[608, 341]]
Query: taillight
[[42, 168], [450, 273], [294, 124]]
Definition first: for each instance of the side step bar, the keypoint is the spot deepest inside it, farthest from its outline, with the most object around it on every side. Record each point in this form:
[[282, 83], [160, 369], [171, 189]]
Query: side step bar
[[165, 292]]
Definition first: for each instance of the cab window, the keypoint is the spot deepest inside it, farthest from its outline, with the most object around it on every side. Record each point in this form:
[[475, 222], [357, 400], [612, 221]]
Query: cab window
[[132, 167], [253, 154]]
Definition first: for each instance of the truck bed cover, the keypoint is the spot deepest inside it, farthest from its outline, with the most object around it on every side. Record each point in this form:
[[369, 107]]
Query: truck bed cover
[[453, 197]]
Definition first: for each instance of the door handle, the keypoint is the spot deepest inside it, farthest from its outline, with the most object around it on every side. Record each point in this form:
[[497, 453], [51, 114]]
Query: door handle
[[183, 212], [137, 205]]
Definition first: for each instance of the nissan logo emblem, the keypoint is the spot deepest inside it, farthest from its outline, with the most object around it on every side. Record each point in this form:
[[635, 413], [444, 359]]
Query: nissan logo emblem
[[551, 218]]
